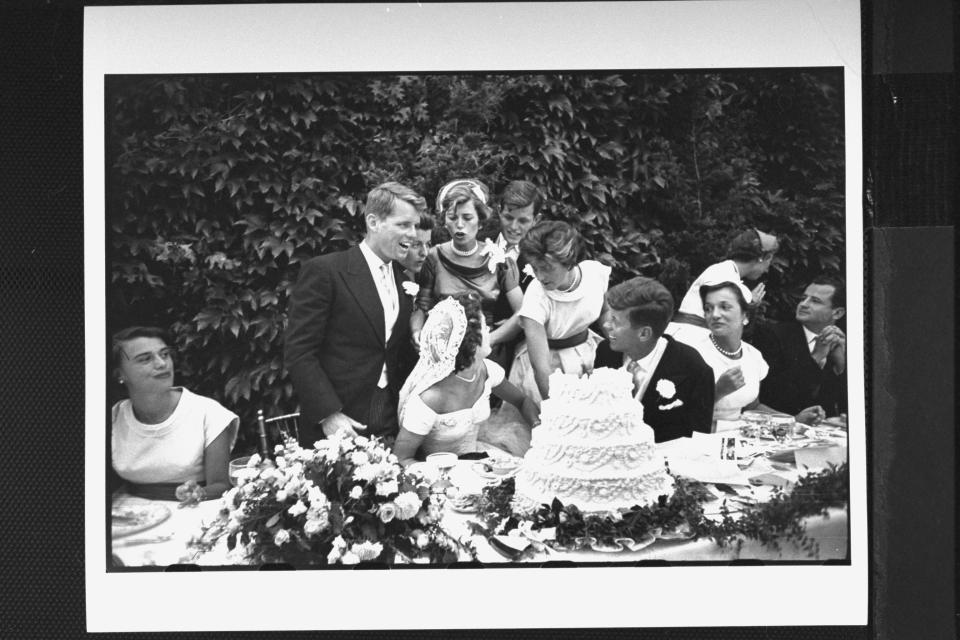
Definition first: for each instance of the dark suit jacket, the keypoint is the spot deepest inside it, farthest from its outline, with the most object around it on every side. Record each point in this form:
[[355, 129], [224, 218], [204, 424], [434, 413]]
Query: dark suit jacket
[[795, 382], [693, 379], [334, 344]]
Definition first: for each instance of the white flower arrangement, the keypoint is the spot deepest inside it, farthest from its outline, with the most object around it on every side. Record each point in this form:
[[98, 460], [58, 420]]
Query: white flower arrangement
[[347, 500], [497, 256], [410, 288], [528, 270]]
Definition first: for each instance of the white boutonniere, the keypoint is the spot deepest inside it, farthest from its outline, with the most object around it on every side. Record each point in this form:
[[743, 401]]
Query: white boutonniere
[[666, 388], [410, 288], [497, 256], [528, 271]]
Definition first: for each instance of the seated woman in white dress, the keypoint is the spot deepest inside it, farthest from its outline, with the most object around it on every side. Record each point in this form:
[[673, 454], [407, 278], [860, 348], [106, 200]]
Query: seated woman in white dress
[[166, 442], [738, 367], [447, 395]]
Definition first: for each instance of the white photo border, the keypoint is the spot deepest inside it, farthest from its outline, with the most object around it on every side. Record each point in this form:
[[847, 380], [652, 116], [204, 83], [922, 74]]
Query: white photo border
[[429, 38]]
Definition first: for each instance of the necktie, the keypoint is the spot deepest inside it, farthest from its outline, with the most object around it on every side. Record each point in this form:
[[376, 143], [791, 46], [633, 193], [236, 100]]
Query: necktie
[[387, 289], [637, 372]]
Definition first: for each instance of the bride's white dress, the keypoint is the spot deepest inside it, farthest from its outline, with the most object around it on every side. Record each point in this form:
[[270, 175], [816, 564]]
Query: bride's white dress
[[456, 431]]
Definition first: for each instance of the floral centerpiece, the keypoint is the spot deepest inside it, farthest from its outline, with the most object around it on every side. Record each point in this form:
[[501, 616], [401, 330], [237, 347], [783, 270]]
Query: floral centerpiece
[[346, 501], [679, 515]]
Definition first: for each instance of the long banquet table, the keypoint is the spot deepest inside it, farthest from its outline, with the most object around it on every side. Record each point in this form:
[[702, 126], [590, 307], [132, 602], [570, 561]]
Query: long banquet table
[[166, 543]]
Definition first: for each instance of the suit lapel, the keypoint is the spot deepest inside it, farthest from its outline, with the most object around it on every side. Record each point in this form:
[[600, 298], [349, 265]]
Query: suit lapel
[[359, 282], [404, 299], [666, 368]]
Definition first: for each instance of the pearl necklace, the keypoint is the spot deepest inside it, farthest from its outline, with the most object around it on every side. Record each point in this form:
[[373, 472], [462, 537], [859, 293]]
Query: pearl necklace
[[729, 354], [465, 254], [576, 281], [473, 379]]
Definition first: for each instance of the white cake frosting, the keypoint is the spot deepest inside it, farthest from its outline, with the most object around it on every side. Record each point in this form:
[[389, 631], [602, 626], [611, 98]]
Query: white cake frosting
[[592, 448]]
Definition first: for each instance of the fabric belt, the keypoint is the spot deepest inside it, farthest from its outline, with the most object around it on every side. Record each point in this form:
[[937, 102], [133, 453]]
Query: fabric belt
[[572, 341], [689, 318]]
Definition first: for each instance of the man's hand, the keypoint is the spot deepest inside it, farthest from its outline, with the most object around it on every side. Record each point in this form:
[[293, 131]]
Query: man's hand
[[758, 292], [831, 344], [341, 422], [729, 381], [811, 415]]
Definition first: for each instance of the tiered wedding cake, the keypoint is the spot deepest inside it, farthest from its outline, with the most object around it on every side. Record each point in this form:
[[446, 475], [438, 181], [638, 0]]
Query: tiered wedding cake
[[592, 448]]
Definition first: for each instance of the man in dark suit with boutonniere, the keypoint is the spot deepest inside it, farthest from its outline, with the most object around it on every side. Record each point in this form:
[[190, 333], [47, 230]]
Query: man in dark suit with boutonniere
[[349, 321], [671, 380], [808, 356]]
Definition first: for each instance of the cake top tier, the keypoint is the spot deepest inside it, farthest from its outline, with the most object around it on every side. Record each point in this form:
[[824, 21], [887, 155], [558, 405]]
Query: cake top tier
[[603, 385]]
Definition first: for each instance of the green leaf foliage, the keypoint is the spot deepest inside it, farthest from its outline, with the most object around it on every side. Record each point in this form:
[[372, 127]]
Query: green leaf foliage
[[218, 187]]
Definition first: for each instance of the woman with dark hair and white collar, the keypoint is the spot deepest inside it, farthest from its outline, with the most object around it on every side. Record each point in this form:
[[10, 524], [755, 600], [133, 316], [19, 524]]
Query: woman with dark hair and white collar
[[738, 366], [167, 443], [465, 264]]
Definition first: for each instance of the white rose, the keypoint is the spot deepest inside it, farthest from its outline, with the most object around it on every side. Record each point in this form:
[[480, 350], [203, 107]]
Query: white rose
[[349, 558], [339, 543], [423, 540], [281, 537], [666, 388], [356, 492], [315, 497], [312, 527], [297, 509], [366, 551], [408, 505], [410, 288], [254, 460], [281, 496], [359, 458], [333, 556]]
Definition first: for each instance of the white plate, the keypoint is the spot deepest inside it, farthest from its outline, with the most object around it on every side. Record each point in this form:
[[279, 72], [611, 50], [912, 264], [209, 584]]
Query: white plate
[[479, 469]]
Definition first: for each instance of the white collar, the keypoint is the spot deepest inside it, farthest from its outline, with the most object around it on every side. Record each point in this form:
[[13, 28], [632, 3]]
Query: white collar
[[505, 247], [650, 361], [372, 259], [810, 335]]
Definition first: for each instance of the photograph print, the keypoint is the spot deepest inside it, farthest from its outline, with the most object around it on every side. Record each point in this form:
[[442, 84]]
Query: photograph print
[[589, 318]]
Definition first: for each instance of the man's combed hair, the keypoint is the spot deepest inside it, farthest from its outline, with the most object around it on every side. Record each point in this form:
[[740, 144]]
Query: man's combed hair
[[648, 303], [839, 297], [521, 193], [381, 199]]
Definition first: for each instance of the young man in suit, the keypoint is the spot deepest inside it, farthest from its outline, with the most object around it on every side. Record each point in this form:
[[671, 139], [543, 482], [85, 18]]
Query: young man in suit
[[671, 380], [808, 356], [349, 321]]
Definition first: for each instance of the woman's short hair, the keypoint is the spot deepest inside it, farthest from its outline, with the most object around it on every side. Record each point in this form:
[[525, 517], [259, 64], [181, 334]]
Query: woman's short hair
[[470, 301], [381, 199], [521, 193], [123, 336], [455, 193], [552, 239], [748, 246], [738, 289], [647, 302]]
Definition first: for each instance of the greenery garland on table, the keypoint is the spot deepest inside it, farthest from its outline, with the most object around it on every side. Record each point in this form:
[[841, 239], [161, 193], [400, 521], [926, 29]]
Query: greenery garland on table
[[680, 514]]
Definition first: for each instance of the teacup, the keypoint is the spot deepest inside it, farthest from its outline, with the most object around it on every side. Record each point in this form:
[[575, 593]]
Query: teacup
[[442, 459]]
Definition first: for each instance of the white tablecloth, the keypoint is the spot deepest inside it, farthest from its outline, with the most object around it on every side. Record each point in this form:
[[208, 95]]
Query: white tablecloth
[[166, 543]]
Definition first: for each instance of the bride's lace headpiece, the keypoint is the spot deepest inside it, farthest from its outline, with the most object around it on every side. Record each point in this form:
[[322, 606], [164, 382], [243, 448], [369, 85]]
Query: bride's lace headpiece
[[440, 341]]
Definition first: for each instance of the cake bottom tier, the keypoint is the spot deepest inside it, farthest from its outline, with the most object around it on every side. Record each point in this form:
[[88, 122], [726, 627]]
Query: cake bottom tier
[[590, 495]]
